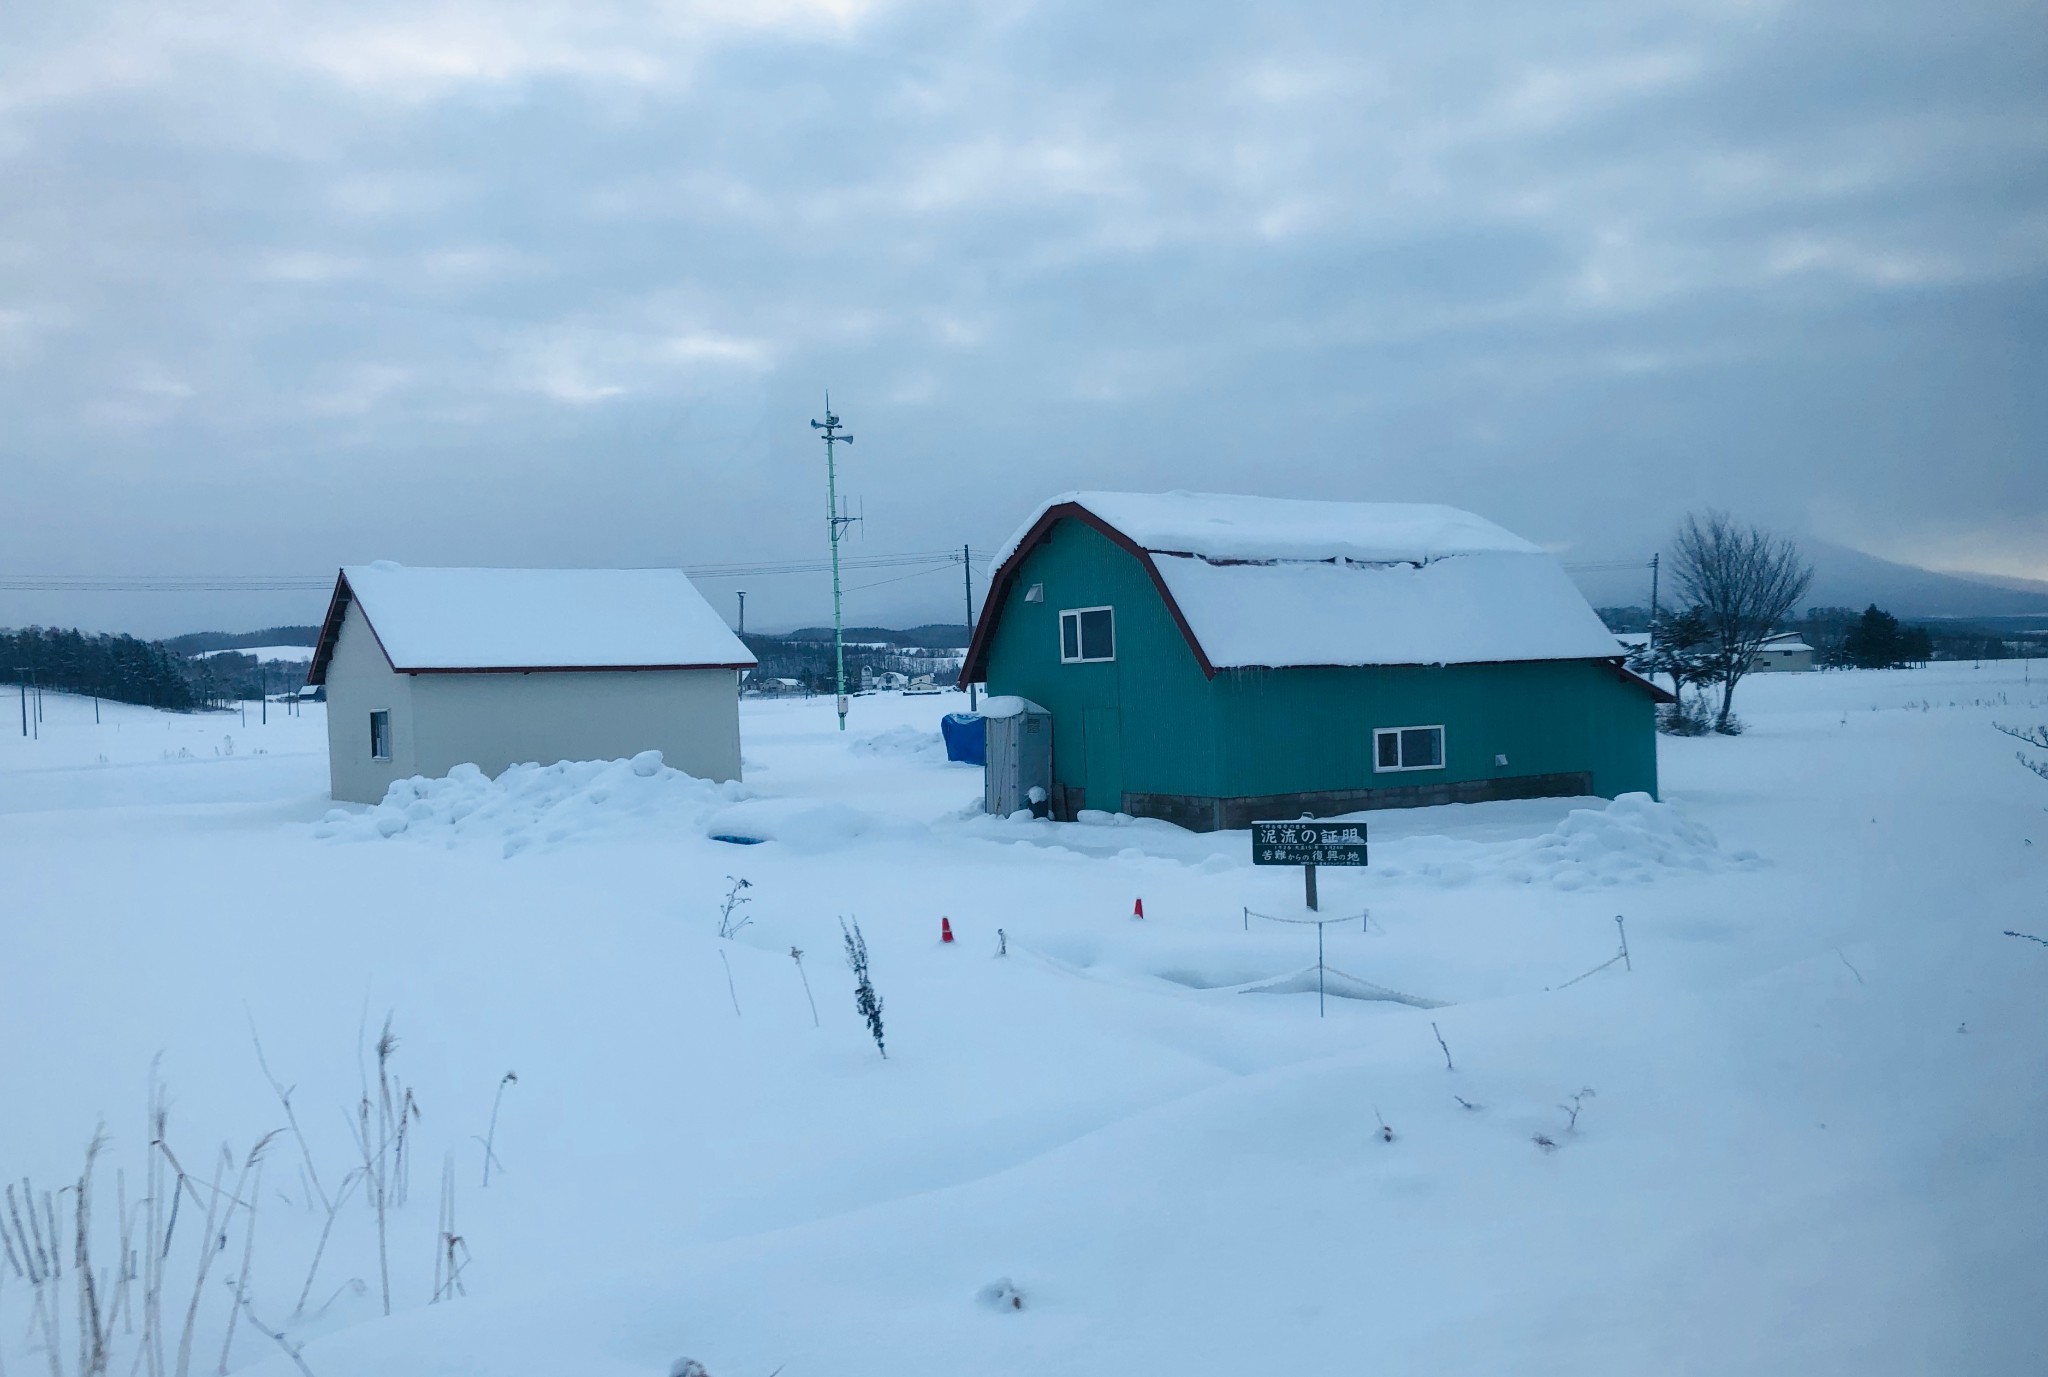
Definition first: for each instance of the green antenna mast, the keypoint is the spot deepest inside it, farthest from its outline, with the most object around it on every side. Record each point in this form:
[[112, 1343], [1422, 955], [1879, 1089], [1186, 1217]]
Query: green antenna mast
[[836, 521]]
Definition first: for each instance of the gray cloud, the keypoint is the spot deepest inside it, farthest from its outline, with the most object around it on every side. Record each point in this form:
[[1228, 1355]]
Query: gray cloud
[[562, 283]]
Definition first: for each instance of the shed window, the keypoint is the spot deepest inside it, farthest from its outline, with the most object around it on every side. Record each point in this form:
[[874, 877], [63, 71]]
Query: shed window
[[380, 735], [1408, 748], [1087, 634]]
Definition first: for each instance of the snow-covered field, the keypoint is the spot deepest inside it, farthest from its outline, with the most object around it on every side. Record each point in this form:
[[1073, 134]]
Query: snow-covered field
[[1815, 1138]]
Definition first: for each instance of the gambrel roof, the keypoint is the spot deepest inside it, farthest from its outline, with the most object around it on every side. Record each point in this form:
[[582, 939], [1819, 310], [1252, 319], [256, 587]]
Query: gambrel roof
[[483, 621], [1273, 582]]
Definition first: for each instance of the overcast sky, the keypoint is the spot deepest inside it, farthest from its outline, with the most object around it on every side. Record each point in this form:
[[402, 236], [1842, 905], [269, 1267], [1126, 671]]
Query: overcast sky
[[287, 286]]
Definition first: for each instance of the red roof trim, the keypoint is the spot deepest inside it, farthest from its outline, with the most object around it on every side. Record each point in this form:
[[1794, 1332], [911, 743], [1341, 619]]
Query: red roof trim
[[1627, 675], [556, 669], [330, 629]]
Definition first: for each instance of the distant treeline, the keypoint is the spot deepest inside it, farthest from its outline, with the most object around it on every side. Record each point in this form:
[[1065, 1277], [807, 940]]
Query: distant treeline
[[1843, 638], [805, 655], [227, 677], [931, 636], [117, 667], [199, 642]]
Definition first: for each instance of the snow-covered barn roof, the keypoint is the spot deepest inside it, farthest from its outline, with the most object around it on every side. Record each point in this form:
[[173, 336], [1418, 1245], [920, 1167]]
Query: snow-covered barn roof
[[452, 621], [1274, 582]]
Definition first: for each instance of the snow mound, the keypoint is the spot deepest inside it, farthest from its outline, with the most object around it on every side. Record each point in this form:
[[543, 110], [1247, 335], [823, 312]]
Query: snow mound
[[902, 743], [1000, 1294], [1338, 985], [1632, 840], [1629, 841], [804, 825], [534, 804]]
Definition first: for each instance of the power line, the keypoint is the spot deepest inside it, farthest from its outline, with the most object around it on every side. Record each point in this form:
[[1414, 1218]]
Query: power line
[[936, 569], [1605, 565], [144, 583]]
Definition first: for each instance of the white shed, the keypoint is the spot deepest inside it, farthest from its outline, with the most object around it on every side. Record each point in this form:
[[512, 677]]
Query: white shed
[[1786, 652], [427, 669]]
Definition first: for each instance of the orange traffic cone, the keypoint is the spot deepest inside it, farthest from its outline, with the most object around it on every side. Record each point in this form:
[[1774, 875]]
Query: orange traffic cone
[[1138, 909], [945, 929]]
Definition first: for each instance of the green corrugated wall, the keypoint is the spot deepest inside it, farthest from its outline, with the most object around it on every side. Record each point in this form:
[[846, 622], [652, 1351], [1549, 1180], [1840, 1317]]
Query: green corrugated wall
[[1265, 731], [1304, 730]]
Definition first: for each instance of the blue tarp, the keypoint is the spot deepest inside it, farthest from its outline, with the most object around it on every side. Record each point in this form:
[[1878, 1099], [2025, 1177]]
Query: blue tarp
[[966, 737]]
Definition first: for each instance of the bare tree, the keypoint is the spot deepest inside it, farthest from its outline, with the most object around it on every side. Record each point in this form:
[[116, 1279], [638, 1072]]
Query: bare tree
[[2032, 736], [1746, 581]]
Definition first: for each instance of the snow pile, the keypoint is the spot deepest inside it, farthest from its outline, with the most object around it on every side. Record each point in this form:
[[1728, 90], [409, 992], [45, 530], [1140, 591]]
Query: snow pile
[[534, 803], [1627, 842], [1632, 840], [902, 743], [803, 824]]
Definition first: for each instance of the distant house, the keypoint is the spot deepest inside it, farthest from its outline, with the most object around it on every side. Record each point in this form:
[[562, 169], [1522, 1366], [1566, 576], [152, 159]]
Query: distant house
[[884, 680], [427, 669], [1211, 660], [1783, 653], [776, 688]]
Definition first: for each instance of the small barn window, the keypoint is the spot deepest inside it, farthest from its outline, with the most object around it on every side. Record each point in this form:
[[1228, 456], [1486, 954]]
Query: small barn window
[[380, 735], [1087, 634], [1408, 748]]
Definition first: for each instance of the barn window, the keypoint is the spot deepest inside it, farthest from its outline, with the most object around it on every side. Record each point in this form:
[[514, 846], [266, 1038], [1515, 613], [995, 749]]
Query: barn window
[[1087, 634], [380, 735], [1408, 748]]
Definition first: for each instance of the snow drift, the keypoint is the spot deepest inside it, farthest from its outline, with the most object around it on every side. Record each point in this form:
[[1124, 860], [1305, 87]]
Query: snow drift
[[1631, 840], [913, 743], [531, 804]]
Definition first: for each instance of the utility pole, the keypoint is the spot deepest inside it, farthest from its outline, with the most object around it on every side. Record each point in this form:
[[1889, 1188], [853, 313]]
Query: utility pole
[[22, 672], [1653, 598], [743, 611], [836, 525], [967, 577]]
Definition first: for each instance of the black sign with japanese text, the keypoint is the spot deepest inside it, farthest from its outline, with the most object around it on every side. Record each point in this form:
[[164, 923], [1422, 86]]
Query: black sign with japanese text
[[1308, 843]]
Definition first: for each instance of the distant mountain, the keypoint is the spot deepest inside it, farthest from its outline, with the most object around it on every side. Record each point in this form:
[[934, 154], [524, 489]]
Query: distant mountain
[[1842, 577], [2003, 581]]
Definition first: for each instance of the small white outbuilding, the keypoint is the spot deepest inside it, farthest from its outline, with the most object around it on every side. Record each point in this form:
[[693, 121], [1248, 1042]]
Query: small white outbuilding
[[427, 669], [1785, 653]]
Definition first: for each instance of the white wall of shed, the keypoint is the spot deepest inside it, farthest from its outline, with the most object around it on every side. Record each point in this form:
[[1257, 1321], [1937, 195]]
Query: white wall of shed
[[498, 720], [360, 681]]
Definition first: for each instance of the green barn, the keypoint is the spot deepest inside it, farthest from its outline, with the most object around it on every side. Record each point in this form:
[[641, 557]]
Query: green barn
[[1210, 660]]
